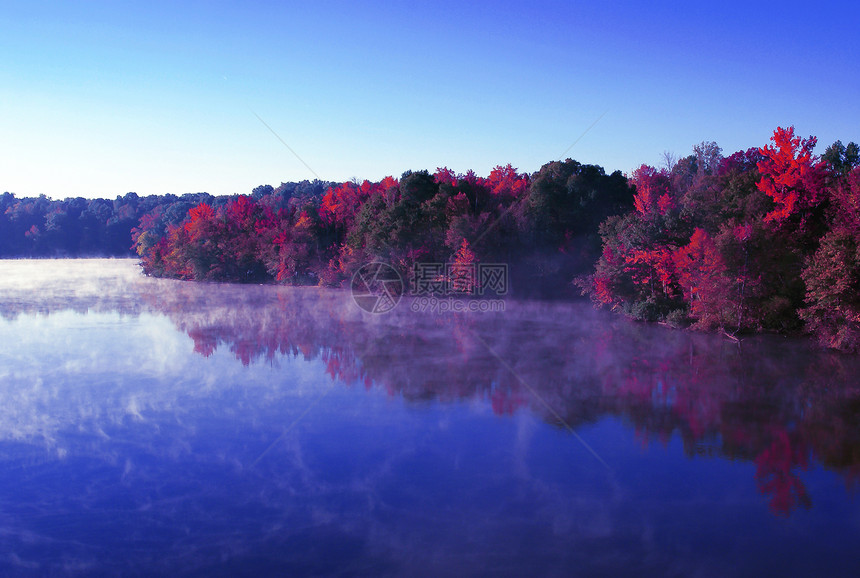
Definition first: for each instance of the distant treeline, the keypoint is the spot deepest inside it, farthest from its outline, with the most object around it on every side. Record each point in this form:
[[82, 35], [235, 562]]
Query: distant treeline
[[766, 239], [79, 227]]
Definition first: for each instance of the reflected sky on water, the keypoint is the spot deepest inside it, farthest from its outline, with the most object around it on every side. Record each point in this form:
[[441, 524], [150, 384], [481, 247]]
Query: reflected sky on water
[[163, 427]]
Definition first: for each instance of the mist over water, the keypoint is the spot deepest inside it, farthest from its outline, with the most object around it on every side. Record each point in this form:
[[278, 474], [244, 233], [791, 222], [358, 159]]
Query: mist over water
[[163, 427]]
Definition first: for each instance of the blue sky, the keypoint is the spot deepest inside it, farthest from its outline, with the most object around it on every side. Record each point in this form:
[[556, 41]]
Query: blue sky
[[103, 98]]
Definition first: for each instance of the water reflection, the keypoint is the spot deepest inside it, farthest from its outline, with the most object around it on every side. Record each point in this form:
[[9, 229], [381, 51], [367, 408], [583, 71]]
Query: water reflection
[[777, 403], [266, 402]]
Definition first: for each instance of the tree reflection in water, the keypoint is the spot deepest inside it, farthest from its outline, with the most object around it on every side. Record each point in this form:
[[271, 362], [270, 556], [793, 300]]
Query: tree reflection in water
[[777, 403], [780, 404]]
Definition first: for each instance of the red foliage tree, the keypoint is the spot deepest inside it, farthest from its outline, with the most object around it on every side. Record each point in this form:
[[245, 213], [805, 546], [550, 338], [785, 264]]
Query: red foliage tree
[[652, 190], [790, 174], [506, 182], [655, 269], [463, 273], [703, 278], [341, 203]]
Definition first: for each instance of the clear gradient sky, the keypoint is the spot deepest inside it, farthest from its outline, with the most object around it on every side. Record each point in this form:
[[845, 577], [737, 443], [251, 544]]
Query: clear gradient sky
[[101, 98]]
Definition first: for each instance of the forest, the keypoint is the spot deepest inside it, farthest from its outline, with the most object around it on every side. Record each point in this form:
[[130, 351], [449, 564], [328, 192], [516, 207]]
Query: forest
[[765, 239], [41, 227]]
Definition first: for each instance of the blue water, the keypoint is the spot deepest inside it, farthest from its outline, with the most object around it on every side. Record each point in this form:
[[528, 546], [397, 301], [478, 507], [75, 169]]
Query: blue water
[[153, 427]]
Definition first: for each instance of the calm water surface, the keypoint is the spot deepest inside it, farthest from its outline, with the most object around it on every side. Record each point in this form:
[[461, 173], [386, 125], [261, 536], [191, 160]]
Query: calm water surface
[[154, 427]]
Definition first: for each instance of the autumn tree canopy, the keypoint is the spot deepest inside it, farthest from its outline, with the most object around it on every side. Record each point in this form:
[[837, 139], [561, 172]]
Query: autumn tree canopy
[[764, 239]]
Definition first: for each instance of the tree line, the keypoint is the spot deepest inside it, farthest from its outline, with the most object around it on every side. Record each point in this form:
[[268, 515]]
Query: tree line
[[41, 227], [543, 225], [766, 239]]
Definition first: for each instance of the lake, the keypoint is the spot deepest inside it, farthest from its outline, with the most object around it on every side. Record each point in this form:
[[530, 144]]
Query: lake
[[159, 427]]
